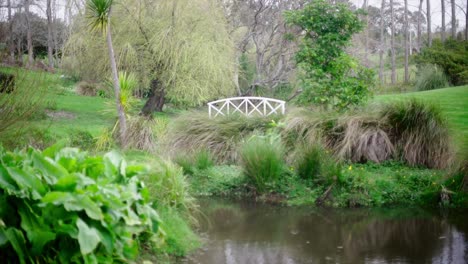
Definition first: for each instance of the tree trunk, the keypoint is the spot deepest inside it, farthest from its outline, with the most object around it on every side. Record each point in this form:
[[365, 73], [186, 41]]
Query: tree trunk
[[115, 79], [29, 35], [11, 44], [454, 20], [406, 42], [466, 21], [442, 5], [419, 43], [366, 37], [382, 44], [156, 99], [429, 30], [392, 41], [50, 41]]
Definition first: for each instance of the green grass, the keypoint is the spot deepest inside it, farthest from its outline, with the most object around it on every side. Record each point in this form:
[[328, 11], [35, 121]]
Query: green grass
[[454, 103]]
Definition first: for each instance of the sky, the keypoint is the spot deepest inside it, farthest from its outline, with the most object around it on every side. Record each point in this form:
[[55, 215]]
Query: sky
[[435, 10], [412, 5]]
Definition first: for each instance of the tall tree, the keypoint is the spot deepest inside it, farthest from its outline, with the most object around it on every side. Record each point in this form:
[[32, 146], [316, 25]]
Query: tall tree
[[407, 48], [392, 41], [429, 29], [454, 20], [442, 5], [466, 21], [99, 17], [382, 43], [419, 29], [50, 40], [11, 44], [29, 34], [366, 37]]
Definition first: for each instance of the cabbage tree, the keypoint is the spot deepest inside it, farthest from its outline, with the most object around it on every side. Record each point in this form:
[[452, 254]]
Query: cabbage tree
[[99, 12]]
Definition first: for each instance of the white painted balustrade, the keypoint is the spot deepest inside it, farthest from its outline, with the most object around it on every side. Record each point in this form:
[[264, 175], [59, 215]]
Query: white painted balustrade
[[247, 106]]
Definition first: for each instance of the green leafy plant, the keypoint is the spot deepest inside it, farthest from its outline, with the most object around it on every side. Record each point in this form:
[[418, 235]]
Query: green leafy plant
[[331, 78], [315, 163], [199, 160], [430, 77], [262, 160], [61, 205]]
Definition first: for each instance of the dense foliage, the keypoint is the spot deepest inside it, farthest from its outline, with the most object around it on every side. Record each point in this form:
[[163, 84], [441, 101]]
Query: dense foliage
[[430, 77], [62, 206], [331, 77], [451, 56]]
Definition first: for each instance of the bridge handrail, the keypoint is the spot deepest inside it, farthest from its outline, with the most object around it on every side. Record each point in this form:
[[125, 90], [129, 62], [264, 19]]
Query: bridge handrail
[[268, 108]]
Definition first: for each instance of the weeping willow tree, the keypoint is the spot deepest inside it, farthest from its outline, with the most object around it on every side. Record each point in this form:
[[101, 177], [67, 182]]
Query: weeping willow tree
[[180, 51]]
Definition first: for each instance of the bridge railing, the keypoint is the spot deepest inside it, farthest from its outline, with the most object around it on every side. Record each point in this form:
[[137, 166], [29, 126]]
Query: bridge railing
[[247, 106]]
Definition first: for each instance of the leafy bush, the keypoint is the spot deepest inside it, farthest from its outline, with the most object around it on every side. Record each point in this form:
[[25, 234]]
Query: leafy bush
[[64, 206], [430, 77], [168, 185], [218, 180], [199, 160], [221, 136], [82, 139], [419, 132], [262, 160], [86, 88], [315, 163], [451, 56]]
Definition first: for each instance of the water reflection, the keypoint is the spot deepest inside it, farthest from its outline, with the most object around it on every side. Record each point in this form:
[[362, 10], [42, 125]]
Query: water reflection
[[247, 232]]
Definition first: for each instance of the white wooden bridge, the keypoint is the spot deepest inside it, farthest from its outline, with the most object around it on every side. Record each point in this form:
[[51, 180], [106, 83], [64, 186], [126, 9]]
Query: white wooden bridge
[[247, 106]]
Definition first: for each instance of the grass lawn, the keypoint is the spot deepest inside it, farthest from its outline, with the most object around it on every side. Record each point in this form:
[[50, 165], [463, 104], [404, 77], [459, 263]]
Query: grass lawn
[[454, 103]]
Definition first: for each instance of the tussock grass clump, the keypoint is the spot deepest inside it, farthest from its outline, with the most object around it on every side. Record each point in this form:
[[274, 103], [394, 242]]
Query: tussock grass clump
[[262, 160], [86, 88], [192, 162], [420, 132], [430, 77], [220, 136], [140, 134], [361, 137], [313, 162]]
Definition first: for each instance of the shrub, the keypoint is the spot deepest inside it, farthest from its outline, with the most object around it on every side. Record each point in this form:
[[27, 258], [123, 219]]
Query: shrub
[[220, 136], [86, 89], [315, 163], [7, 82], [168, 185], [82, 139], [61, 205], [430, 77], [419, 132], [451, 56], [262, 160], [199, 160], [218, 180]]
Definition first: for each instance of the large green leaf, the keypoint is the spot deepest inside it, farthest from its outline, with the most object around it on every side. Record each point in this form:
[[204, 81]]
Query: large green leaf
[[37, 232], [6, 182], [27, 181], [88, 237], [17, 241], [49, 168], [74, 203]]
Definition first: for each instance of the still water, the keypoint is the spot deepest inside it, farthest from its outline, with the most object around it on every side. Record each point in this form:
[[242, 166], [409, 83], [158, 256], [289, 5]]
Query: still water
[[249, 232]]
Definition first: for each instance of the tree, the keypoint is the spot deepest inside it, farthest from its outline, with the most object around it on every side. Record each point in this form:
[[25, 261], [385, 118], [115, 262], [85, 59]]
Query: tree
[[331, 77], [392, 41], [29, 34], [442, 5], [179, 51], [429, 30], [419, 29], [382, 43], [407, 48], [99, 13], [454, 19], [50, 40]]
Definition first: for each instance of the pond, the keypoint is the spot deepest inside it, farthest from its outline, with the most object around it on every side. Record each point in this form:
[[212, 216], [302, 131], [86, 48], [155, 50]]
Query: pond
[[249, 232]]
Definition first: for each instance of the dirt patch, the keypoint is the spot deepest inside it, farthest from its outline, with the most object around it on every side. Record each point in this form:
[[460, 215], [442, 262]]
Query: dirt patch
[[60, 115]]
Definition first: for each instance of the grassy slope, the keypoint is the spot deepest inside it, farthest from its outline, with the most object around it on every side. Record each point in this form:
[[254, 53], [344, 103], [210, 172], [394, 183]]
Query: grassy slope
[[454, 103]]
